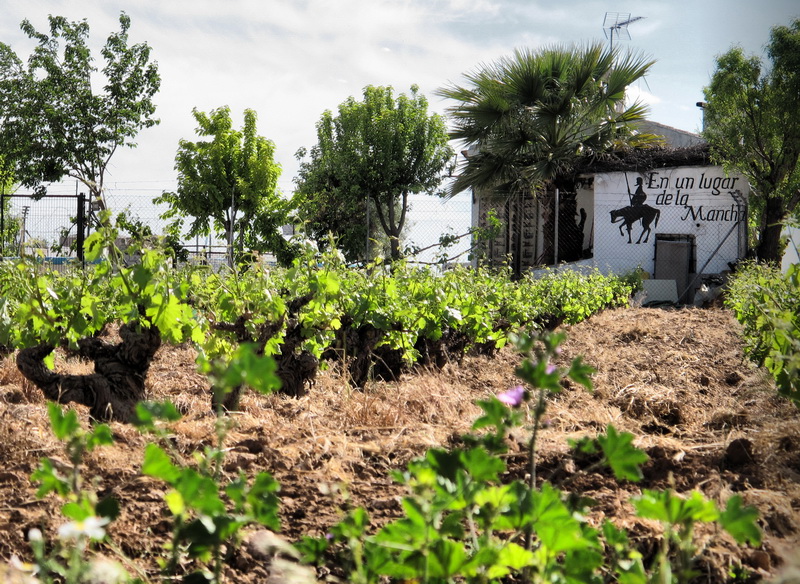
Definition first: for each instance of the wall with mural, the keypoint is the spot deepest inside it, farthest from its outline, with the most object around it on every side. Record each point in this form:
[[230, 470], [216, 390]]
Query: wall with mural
[[631, 208], [792, 253]]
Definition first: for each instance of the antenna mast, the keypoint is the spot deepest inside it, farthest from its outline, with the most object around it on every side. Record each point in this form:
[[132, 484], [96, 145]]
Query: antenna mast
[[617, 23]]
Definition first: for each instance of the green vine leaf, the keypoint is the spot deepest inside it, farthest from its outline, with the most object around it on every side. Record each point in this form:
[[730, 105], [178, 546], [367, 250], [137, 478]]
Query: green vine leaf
[[620, 454]]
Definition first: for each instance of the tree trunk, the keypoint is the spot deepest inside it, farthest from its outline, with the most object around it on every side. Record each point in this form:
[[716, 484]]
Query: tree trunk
[[769, 247], [391, 226], [393, 232], [394, 246], [116, 386]]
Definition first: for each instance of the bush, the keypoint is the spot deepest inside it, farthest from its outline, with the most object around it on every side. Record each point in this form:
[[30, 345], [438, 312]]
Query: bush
[[767, 304]]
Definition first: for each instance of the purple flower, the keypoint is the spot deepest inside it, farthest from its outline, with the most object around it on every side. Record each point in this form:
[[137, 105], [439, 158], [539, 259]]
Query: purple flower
[[550, 369], [513, 397]]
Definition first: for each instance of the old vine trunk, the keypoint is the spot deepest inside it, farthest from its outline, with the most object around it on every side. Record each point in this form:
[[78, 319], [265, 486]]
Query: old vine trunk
[[116, 386]]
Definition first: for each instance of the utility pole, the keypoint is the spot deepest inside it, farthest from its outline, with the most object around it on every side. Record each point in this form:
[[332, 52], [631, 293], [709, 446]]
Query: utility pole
[[22, 229]]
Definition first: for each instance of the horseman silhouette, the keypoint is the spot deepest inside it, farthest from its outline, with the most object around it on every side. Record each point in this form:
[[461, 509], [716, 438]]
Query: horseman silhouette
[[636, 211], [633, 213]]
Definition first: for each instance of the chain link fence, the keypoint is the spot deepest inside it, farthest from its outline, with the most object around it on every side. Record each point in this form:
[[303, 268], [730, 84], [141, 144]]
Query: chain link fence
[[531, 233], [430, 221], [437, 229], [50, 228], [683, 224], [679, 224], [687, 224]]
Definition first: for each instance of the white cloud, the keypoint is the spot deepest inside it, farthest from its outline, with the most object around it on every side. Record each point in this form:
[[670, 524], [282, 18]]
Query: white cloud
[[635, 93], [292, 59]]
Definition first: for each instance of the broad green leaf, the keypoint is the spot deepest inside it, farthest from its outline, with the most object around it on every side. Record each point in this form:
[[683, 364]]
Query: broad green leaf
[[199, 492], [353, 526], [94, 246], [623, 458], [100, 435], [167, 316], [312, 549], [581, 373], [64, 424], [481, 465], [519, 512], [50, 479], [264, 502], [499, 497], [446, 558], [147, 413], [515, 557], [77, 511], [107, 507], [175, 503], [740, 521], [554, 523], [157, 464], [673, 509]]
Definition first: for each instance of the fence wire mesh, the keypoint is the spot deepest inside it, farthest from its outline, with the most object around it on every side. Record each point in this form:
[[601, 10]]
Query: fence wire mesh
[[48, 227], [606, 224]]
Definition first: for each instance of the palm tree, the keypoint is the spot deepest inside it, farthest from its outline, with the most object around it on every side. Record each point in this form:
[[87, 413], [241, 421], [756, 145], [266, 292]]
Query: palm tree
[[527, 119]]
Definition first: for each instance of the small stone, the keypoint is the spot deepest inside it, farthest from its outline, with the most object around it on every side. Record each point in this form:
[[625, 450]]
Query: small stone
[[264, 545]]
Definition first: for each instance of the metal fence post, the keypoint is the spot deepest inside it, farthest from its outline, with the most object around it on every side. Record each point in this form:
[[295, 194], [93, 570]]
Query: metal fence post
[[3, 221], [555, 236], [81, 221]]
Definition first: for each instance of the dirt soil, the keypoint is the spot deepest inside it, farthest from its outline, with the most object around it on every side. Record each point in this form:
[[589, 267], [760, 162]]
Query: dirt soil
[[677, 379]]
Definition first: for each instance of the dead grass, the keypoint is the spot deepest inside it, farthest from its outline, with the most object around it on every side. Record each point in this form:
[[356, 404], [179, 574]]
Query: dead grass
[[676, 379]]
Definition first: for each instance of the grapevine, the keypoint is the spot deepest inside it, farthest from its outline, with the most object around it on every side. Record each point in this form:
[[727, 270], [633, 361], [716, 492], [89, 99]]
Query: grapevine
[[372, 323]]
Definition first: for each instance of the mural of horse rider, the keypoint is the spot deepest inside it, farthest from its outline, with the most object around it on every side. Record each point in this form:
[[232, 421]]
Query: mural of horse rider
[[639, 197], [636, 211]]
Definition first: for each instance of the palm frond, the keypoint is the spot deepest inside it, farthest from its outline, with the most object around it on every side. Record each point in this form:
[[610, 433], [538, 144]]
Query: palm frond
[[533, 114]]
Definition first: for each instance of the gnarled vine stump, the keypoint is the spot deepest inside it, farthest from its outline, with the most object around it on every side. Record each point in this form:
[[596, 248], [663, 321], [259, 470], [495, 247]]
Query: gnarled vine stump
[[113, 390], [296, 368]]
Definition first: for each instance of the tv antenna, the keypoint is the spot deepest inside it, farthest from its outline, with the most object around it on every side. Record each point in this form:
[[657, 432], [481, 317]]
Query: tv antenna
[[616, 23]]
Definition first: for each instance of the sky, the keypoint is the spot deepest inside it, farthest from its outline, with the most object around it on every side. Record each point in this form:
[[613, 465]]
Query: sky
[[290, 60]]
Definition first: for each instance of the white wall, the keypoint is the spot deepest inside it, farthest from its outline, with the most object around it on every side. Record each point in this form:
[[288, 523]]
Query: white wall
[[699, 201], [791, 255]]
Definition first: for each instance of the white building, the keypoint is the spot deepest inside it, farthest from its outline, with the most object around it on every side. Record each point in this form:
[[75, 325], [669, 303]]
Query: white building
[[666, 211]]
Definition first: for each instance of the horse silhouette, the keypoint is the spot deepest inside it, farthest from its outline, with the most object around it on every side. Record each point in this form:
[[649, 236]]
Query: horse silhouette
[[633, 213]]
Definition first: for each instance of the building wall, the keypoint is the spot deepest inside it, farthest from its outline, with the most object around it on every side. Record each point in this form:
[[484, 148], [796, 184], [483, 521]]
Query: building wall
[[791, 255], [702, 202], [699, 203], [673, 136], [519, 239]]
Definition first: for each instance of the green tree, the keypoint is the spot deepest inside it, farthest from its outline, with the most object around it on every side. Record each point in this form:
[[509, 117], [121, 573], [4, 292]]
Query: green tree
[[229, 183], [752, 125], [381, 149], [53, 121], [10, 225], [325, 206], [529, 118]]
